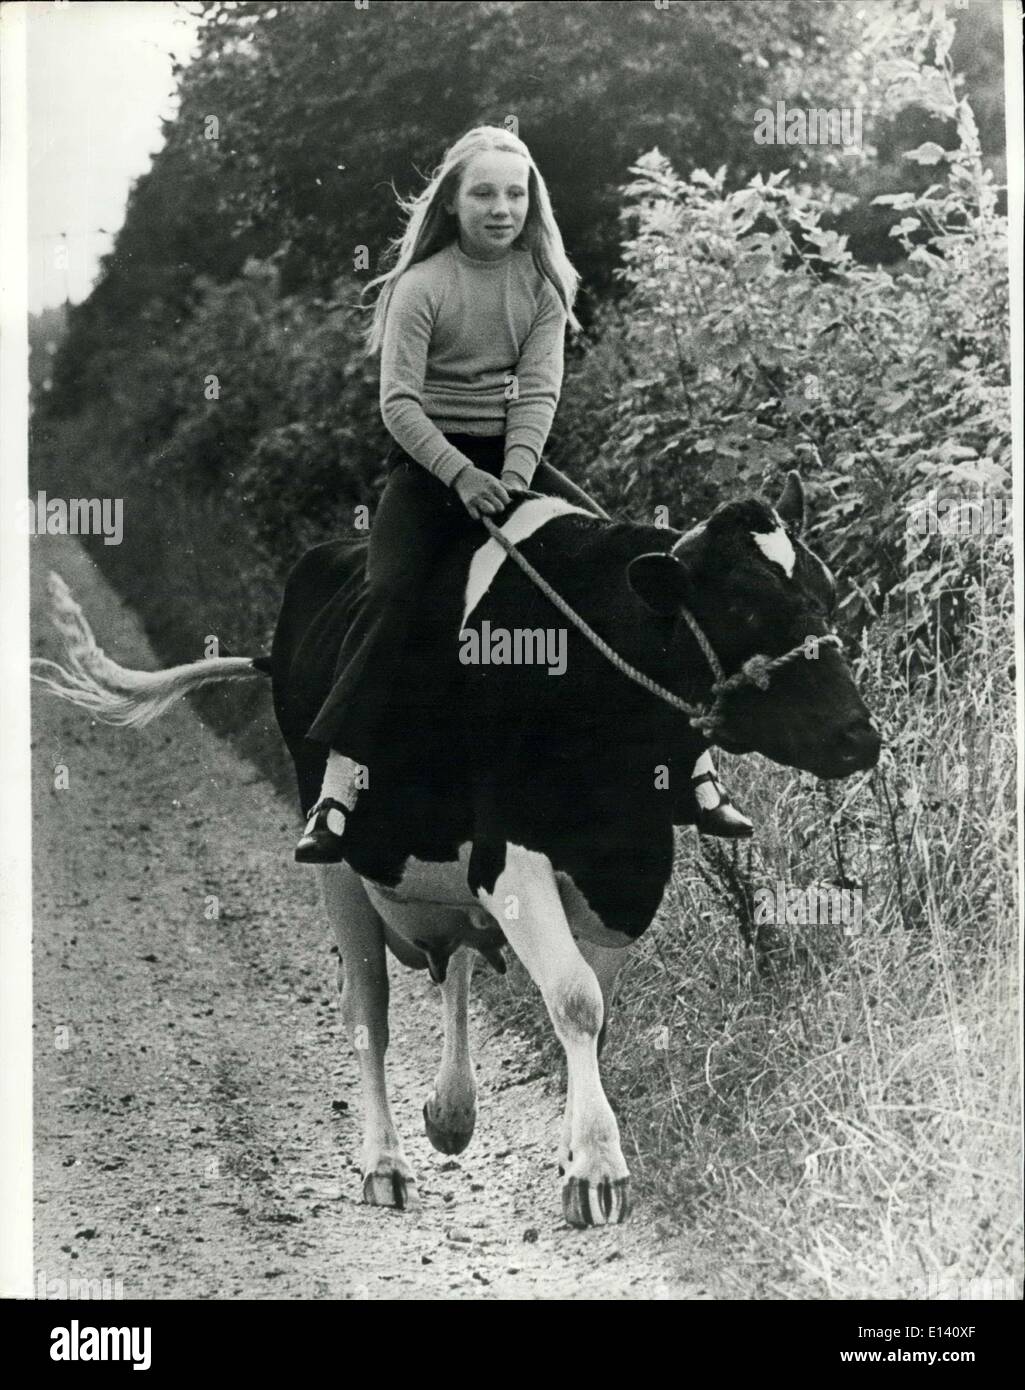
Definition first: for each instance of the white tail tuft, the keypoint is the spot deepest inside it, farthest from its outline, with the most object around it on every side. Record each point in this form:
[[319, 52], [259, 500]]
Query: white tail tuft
[[112, 693]]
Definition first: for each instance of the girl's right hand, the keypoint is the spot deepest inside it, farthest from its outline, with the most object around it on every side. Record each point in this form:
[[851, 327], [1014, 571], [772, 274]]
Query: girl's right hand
[[480, 493]]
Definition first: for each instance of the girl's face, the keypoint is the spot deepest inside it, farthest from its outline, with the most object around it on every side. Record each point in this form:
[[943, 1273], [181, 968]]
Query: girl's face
[[491, 204]]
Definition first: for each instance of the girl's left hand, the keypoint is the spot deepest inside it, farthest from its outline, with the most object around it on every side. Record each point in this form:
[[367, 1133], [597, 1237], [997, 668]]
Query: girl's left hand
[[512, 482]]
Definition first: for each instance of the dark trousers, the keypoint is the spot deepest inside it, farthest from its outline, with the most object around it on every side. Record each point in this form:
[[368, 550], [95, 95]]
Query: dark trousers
[[417, 519]]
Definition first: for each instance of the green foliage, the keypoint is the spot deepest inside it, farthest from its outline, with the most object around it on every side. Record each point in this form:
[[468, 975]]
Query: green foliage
[[298, 123], [750, 341], [319, 100], [267, 408]]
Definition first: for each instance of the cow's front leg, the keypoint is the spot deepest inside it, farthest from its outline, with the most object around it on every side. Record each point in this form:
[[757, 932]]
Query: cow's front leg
[[606, 962], [451, 1109], [388, 1179], [525, 901]]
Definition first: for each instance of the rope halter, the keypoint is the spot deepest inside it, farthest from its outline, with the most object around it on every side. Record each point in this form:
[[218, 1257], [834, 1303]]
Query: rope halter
[[757, 670]]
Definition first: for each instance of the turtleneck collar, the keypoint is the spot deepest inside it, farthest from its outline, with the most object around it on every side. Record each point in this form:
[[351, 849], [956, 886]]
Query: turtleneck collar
[[483, 264]]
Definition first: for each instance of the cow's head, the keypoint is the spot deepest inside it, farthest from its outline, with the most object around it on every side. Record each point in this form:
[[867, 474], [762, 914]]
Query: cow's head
[[754, 587]]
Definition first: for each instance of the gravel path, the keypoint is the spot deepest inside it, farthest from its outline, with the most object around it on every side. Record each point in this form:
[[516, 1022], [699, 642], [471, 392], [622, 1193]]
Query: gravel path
[[197, 1107]]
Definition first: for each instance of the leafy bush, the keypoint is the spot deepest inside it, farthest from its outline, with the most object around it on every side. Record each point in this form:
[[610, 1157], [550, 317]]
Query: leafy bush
[[267, 407], [751, 341]]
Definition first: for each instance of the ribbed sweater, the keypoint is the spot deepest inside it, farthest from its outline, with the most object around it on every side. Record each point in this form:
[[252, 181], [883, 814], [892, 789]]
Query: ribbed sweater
[[458, 333]]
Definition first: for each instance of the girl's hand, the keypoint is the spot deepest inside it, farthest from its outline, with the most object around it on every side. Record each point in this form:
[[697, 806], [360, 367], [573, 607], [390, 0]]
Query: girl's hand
[[512, 482], [480, 493]]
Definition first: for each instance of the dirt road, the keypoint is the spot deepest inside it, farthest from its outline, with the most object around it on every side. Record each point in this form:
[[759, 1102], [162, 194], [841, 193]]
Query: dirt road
[[197, 1106]]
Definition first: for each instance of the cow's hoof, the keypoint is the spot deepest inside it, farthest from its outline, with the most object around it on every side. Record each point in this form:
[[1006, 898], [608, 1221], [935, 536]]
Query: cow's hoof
[[447, 1139], [387, 1186], [605, 1203]]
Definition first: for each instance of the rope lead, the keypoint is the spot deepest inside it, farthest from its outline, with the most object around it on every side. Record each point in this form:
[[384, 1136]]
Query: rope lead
[[757, 670]]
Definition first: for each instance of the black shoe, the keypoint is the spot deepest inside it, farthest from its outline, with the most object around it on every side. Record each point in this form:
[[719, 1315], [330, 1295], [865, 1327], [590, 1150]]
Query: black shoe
[[320, 844], [723, 820]]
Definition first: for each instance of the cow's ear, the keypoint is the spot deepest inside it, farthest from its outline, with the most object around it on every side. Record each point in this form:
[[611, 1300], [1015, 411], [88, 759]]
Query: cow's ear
[[791, 502], [660, 581]]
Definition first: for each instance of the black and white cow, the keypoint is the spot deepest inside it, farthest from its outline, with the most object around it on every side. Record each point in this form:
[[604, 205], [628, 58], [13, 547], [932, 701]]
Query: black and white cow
[[519, 805]]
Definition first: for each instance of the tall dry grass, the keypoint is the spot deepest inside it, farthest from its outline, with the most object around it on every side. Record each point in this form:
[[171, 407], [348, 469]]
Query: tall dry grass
[[833, 1111]]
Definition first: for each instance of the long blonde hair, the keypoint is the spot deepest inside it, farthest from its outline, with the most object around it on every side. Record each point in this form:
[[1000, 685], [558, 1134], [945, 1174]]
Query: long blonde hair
[[429, 226]]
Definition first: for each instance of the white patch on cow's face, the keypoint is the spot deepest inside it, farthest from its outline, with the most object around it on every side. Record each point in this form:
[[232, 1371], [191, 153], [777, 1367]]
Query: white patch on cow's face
[[777, 546], [529, 517]]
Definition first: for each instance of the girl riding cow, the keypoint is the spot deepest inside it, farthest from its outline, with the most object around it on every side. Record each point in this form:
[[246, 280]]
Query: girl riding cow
[[470, 324]]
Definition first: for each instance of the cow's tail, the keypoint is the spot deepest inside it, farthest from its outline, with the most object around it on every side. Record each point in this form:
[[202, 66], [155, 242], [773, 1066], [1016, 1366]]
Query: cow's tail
[[110, 692]]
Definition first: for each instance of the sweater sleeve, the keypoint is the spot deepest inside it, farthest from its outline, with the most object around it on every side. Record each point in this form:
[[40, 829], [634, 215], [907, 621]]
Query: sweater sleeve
[[539, 380], [407, 336]]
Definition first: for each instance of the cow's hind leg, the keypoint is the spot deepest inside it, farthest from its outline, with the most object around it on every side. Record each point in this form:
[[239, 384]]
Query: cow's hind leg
[[451, 1109], [597, 1186], [388, 1179]]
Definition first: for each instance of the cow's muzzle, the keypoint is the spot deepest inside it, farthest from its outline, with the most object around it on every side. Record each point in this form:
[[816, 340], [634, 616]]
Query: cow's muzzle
[[834, 754], [857, 747], [841, 752]]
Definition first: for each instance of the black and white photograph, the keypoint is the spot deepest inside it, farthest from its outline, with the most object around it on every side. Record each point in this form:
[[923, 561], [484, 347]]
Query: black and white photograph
[[510, 699]]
